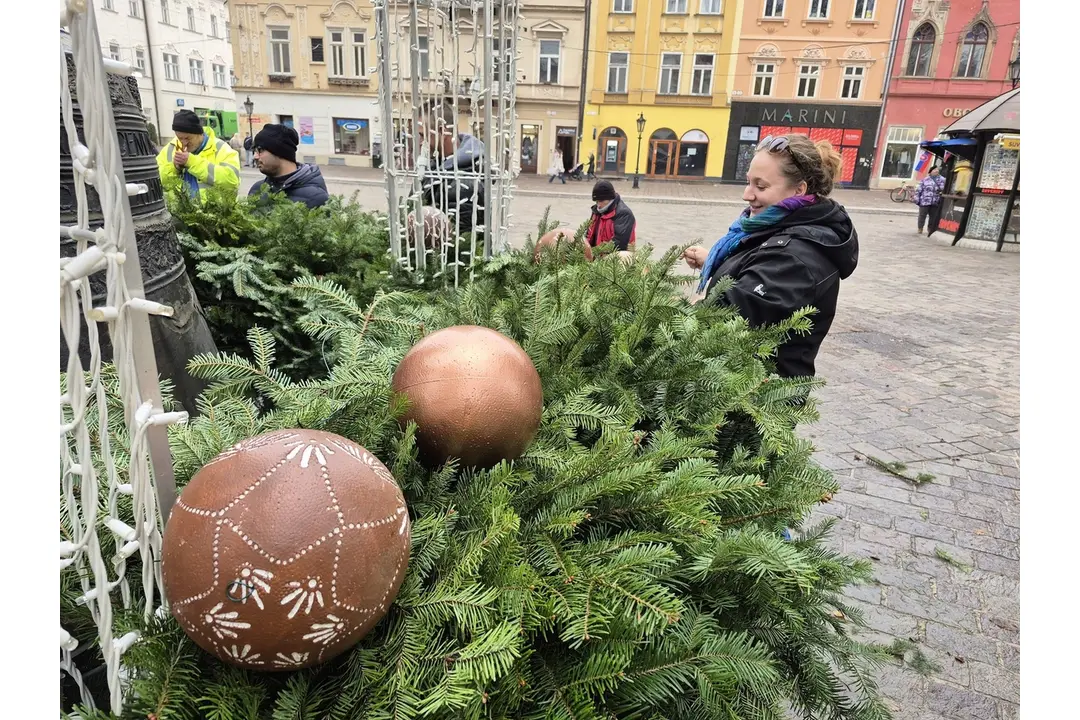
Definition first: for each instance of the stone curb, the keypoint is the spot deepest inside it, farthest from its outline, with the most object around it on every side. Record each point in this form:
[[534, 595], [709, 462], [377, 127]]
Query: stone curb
[[663, 200]]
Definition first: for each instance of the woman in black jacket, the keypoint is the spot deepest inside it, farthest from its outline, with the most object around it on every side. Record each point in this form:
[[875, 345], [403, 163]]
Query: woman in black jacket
[[789, 249]]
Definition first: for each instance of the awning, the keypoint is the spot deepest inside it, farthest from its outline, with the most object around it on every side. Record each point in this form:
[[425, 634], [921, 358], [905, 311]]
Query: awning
[[1002, 114], [964, 147]]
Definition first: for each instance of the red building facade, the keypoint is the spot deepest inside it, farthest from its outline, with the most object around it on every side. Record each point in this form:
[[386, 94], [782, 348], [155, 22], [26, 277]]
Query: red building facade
[[951, 56]]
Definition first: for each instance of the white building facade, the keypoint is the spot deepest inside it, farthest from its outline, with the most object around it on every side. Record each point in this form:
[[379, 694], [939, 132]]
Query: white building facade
[[182, 48]]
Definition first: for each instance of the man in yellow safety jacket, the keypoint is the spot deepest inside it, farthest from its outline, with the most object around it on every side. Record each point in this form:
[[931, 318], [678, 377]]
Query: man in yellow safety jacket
[[197, 159]]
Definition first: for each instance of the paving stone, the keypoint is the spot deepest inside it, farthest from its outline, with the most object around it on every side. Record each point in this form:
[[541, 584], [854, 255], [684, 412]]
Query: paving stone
[[1010, 657], [958, 703], [929, 608], [996, 563], [925, 529], [888, 621], [995, 681], [956, 642], [989, 544]]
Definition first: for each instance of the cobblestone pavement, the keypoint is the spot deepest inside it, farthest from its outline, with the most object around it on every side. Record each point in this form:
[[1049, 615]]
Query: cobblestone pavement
[[922, 366]]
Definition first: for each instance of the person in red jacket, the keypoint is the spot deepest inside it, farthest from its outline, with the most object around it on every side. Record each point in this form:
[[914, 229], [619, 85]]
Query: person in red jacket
[[611, 221]]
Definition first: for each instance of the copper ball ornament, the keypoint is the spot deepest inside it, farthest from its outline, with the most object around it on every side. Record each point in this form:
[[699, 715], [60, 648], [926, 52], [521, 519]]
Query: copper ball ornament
[[474, 394], [285, 550], [436, 227], [550, 239]]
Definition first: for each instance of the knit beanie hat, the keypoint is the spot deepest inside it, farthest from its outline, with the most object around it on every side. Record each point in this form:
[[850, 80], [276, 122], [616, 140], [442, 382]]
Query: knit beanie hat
[[280, 140], [186, 121], [603, 191]]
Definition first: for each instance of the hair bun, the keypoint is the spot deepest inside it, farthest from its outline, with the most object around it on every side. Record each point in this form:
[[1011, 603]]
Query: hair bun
[[830, 160]]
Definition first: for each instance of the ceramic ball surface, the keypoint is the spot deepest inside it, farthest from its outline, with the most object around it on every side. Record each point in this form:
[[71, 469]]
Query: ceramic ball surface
[[551, 238], [436, 226], [285, 550], [474, 394]]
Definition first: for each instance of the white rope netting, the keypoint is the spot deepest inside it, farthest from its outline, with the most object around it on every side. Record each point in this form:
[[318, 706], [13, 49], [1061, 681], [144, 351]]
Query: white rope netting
[[106, 511], [461, 54]]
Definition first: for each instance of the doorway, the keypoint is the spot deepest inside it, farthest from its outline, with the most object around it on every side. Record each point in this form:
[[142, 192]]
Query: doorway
[[612, 151], [564, 142], [530, 135], [662, 159]]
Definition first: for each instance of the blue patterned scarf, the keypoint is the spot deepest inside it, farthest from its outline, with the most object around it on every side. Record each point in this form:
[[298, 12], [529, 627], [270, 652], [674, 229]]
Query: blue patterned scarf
[[191, 183], [744, 226]]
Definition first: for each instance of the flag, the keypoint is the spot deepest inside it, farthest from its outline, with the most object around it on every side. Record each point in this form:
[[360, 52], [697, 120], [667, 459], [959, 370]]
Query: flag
[[924, 162]]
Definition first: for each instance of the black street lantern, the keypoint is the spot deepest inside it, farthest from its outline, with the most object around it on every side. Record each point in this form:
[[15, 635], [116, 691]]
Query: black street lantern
[[249, 107], [1014, 70], [637, 167]]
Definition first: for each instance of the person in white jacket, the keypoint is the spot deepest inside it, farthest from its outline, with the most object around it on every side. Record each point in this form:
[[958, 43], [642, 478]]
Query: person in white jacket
[[556, 169]]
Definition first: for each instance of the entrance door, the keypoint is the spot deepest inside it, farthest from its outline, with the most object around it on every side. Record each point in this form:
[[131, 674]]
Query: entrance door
[[614, 152], [565, 144], [530, 137], [662, 162]]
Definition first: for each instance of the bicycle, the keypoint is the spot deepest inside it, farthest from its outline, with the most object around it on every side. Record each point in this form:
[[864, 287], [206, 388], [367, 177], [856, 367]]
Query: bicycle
[[904, 193]]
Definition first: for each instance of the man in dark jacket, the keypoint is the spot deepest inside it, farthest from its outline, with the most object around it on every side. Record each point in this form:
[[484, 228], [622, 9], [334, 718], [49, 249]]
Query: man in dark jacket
[[612, 220], [796, 262], [456, 196], [275, 156]]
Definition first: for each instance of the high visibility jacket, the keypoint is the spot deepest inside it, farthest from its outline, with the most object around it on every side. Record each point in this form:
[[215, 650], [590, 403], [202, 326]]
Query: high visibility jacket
[[216, 164]]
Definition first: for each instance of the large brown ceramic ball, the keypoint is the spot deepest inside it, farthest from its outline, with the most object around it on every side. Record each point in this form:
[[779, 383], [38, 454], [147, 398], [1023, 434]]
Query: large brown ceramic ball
[[551, 238], [474, 394], [285, 550], [436, 227]]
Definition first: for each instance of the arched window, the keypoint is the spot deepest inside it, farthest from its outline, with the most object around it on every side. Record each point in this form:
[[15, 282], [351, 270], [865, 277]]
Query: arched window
[[973, 52], [922, 49], [693, 151], [664, 134]]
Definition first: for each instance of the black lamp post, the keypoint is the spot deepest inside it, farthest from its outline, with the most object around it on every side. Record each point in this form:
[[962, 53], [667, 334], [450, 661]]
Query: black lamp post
[[637, 167], [1014, 70], [249, 107]]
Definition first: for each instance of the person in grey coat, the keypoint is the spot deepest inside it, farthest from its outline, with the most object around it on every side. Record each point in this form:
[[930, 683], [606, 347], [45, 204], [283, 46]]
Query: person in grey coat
[[275, 156]]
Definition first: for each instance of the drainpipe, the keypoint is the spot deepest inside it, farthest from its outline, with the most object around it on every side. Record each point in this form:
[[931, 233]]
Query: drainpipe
[[584, 81], [888, 79], [150, 64]]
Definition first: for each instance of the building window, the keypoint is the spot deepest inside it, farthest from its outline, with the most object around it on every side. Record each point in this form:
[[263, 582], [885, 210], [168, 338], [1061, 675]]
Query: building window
[[851, 89], [901, 150], [228, 31], [219, 76], [191, 19], [195, 66], [864, 10], [710, 7], [808, 81], [922, 49], [140, 59], [973, 51], [701, 81], [280, 62], [108, 5], [624, 6], [359, 53], [618, 67], [764, 73], [337, 53], [135, 8], [114, 51], [213, 26], [500, 56], [425, 56], [773, 9], [165, 18], [351, 137], [676, 7], [317, 54], [819, 9], [670, 68], [549, 61], [172, 66]]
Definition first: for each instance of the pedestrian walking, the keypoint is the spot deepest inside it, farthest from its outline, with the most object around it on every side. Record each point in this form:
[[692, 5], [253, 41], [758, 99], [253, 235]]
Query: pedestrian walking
[[789, 249], [249, 151], [928, 198], [591, 172], [556, 169]]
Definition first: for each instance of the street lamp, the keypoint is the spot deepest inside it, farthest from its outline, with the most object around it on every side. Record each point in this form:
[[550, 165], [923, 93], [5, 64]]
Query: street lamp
[[1014, 70], [637, 167], [249, 107]]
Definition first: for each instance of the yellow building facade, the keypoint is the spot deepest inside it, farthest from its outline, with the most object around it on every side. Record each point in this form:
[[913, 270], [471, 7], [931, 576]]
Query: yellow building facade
[[667, 61]]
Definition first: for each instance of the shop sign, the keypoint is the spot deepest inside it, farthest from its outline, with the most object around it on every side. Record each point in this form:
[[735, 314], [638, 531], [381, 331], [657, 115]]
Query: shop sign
[[955, 112], [803, 116], [566, 132], [1009, 142], [352, 125]]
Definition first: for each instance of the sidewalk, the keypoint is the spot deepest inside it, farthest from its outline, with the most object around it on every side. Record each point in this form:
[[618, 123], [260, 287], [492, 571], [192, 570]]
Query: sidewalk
[[651, 191]]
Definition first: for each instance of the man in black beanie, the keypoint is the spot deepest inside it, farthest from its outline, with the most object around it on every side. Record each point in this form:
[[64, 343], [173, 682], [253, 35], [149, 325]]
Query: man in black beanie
[[275, 156], [611, 221], [197, 159]]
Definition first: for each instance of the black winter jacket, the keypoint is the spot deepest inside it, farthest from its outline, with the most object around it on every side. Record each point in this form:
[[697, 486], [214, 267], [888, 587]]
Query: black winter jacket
[[457, 199], [304, 185], [799, 261]]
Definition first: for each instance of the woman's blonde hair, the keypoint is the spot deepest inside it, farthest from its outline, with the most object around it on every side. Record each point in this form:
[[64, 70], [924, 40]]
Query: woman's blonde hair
[[816, 164]]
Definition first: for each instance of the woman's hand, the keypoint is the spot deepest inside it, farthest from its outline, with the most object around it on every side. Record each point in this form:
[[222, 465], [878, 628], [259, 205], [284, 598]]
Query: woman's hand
[[695, 256]]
